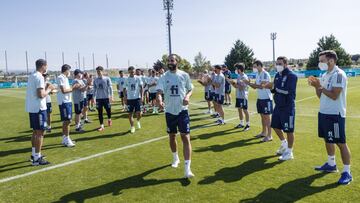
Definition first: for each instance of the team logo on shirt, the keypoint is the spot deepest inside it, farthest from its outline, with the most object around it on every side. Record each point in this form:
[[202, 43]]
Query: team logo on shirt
[[132, 87], [174, 90]]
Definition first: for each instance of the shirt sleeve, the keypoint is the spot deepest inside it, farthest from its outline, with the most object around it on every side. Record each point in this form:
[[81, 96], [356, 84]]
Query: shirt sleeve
[[266, 77], [339, 80], [160, 84], [61, 81], [189, 86], [40, 83], [141, 82], [110, 87]]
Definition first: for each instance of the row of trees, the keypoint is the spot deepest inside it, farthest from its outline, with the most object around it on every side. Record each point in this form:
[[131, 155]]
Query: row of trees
[[240, 52]]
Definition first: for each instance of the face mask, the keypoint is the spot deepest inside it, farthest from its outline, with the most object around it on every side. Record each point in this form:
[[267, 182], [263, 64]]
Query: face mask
[[279, 68], [255, 70], [323, 66], [171, 66]]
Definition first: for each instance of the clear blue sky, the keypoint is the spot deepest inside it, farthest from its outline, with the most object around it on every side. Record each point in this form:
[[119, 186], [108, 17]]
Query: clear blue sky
[[135, 29]]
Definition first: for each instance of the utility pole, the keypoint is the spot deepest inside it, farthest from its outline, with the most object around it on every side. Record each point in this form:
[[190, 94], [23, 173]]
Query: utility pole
[[63, 57], [273, 38], [107, 62], [93, 60], [169, 5], [27, 62]]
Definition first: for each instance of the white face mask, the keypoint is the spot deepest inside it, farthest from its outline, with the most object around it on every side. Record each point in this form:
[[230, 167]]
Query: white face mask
[[255, 70], [323, 66], [279, 68]]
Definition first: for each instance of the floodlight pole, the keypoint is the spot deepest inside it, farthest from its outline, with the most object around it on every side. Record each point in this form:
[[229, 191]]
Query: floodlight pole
[[273, 38], [169, 5]]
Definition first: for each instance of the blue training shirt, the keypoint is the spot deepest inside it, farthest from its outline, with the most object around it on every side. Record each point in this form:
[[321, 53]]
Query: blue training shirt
[[285, 89]]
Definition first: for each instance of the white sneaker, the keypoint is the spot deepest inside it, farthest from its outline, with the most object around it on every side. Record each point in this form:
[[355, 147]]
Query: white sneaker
[[189, 174], [69, 143], [175, 163], [282, 149], [286, 156], [138, 125], [132, 129]]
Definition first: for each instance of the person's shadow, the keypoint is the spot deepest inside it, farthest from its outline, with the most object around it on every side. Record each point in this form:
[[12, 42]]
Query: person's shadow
[[236, 173], [220, 148], [292, 191], [118, 186]]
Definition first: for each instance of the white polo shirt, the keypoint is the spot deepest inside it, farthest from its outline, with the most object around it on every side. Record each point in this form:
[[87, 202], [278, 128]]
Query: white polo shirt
[[263, 76], [33, 103], [336, 78], [62, 80]]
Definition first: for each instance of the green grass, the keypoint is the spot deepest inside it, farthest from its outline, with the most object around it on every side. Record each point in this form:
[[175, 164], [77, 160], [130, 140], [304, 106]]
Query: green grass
[[230, 166]]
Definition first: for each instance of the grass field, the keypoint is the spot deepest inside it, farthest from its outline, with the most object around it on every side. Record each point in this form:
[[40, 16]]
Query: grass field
[[230, 166]]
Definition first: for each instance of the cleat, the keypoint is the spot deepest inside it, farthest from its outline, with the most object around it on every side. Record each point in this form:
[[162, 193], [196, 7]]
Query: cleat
[[345, 178], [189, 174], [282, 149], [260, 135], [100, 129], [327, 168], [40, 161], [239, 126], [132, 130], [109, 122], [267, 139], [79, 130], [175, 163], [138, 125], [286, 156], [247, 127]]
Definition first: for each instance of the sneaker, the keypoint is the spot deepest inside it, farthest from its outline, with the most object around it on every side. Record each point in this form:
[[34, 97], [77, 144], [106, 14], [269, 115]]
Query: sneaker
[[69, 143], [79, 129], [175, 163], [132, 129], [327, 168], [239, 126], [32, 157], [100, 129], [87, 121], [247, 127], [260, 135], [208, 112], [267, 139], [220, 122], [138, 125], [109, 122], [282, 149], [216, 115], [286, 156], [345, 178], [189, 174], [40, 161], [217, 121]]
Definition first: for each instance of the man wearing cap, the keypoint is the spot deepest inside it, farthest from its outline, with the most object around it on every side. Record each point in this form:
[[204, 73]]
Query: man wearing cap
[[78, 94], [65, 104], [103, 93]]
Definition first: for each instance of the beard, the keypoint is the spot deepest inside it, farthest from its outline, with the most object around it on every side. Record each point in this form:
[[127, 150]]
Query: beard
[[171, 66]]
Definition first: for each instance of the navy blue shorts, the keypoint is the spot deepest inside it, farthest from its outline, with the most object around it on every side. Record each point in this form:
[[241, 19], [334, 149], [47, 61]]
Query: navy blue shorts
[[264, 106], [79, 107], [89, 97], [48, 108], [212, 96], [227, 89], [241, 103], [207, 96], [152, 96], [38, 120], [175, 122], [65, 111], [133, 105], [283, 119], [219, 99], [86, 102], [121, 94], [100, 103], [331, 128]]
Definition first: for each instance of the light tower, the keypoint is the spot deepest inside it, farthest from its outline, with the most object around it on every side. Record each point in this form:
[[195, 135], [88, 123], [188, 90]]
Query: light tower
[[169, 5], [273, 38]]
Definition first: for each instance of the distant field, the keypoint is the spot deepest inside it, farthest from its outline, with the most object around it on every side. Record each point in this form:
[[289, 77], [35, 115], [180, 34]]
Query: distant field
[[230, 166]]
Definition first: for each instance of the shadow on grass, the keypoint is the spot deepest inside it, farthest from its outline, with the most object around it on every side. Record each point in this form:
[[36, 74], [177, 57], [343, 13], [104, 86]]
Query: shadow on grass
[[213, 134], [105, 136], [236, 173], [292, 191], [118, 186], [27, 150], [220, 148]]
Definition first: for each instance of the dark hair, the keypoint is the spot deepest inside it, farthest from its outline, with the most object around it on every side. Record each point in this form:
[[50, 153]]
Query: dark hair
[[100, 68], [258, 63], [138, 69], [40, 63], [65, 67], [330, 54], [176, 57], [240, 66], [224, 66], [283, 58], [131, 68], [120, 71], [217, 66]]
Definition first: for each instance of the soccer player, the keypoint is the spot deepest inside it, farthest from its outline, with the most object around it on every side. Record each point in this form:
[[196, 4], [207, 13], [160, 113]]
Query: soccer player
[[205, 81], [103, 93], [212, 93], [152, 82], [283, 117], [331, 89], [177, 88], [65, 104], [133, 97], [86, 102], [78, 94], [35, 102], [90, 92], [120, 88], [264, 101], [219, 84], [242, 94], [227, 74], [48, 104]]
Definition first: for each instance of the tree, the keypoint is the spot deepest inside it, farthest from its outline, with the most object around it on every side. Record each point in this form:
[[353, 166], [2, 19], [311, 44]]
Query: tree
[[200, 63], [328, 43], [183, 64], [239, 53]]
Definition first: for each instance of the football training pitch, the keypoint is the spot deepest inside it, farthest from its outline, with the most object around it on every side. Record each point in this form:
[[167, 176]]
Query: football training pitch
[[229, 165]]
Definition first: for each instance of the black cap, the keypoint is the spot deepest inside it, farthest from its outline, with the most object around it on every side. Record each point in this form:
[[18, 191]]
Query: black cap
[[65, 67], [77, 71]]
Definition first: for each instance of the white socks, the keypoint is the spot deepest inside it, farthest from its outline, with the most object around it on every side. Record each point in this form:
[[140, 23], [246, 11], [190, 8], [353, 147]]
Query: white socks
[[346, 168], [32, 151], [187, 165], [175, 156], [331, 160], [248, 123], [242, 122]]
